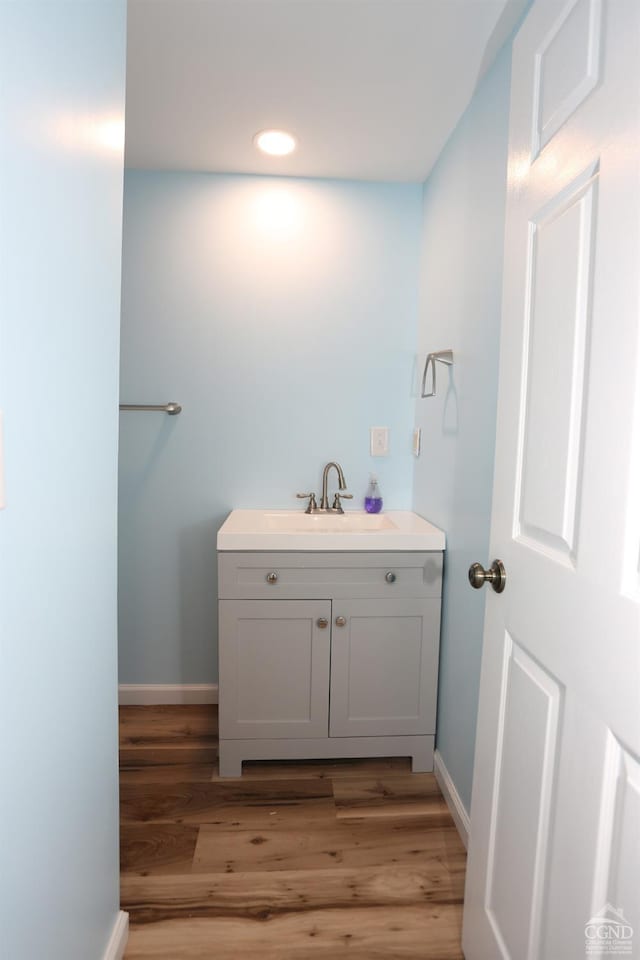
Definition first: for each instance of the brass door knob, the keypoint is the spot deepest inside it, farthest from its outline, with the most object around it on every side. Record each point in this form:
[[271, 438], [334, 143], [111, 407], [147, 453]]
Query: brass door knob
[[341, 621], [272, 577], [496, 575], [323, 623]]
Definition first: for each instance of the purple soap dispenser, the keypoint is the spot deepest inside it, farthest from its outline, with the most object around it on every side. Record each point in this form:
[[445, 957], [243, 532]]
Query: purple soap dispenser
[[373, 497]]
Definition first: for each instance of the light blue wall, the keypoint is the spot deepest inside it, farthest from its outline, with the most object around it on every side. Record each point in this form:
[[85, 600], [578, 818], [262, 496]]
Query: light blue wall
[[62, 70], [461, 288], [282, 315]]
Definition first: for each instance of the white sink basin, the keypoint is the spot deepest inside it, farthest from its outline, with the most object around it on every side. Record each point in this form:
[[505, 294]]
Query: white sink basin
[[289, 522], [353, 530]]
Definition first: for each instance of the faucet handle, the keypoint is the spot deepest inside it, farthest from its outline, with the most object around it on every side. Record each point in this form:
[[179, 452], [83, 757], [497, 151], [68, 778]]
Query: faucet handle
[[338, 497], [312, 505]]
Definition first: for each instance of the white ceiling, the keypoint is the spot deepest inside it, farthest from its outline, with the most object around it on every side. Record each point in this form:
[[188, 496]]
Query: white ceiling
[[371, 88]]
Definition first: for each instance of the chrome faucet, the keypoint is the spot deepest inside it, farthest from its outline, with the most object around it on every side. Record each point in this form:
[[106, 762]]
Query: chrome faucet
[[324, 499]]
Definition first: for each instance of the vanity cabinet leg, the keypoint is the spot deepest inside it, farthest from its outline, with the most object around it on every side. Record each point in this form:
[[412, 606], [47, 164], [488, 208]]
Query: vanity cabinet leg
[[422, 757], [229, 762]]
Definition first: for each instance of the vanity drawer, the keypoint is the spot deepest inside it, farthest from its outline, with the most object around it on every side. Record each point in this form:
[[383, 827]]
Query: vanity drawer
[[307, 576]]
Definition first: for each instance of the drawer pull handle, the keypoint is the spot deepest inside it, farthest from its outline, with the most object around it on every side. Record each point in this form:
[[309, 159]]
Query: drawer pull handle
[[390, 577], [323, 623], [341, 621], [272, 578]]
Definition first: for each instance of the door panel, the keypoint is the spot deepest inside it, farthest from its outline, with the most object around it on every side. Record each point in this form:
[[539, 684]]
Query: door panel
[[617, 877], [528, 727], [566, 68], [274, 668], [384, 667], [558, 309]]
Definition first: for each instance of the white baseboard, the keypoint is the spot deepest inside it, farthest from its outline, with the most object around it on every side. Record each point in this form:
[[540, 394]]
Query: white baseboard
[[118, 939], [452, 797], [144, 694]]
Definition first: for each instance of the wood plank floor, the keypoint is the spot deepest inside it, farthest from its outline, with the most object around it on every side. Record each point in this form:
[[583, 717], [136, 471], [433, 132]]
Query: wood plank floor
[[305, 861]]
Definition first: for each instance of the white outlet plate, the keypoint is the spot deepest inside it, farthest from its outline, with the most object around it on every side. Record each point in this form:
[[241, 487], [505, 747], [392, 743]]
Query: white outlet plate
[[417, 441], [379, 437]]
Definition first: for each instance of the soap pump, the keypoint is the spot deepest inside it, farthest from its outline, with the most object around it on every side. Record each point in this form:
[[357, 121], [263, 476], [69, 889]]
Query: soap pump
[[373, 497]]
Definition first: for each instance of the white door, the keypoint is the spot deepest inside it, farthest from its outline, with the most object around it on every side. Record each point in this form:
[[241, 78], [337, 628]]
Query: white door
[[384, 667], [555, 813], [274, 668]]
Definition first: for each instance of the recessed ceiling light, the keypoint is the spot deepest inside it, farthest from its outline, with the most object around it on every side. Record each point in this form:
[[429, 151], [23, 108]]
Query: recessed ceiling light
[[277, 143]]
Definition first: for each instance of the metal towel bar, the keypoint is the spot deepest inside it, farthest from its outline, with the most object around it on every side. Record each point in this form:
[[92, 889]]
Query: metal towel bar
[[172, 408]]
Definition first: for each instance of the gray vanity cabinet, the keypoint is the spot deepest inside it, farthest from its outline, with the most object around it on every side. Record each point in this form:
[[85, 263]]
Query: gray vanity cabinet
[[328, 655]]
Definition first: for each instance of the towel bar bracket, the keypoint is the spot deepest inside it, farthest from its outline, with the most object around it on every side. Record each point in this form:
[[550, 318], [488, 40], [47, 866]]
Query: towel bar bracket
[[440, 356]]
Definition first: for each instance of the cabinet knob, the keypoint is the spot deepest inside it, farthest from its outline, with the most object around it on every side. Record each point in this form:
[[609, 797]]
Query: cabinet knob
[[341, 621], [272, 577], [323, 623], [390, 577]]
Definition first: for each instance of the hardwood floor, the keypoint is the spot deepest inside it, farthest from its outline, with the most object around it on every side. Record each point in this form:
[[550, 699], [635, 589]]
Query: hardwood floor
[[305, 861]]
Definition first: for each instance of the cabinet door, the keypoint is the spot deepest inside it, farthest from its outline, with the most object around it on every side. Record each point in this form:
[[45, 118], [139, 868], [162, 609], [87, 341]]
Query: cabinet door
[[384, 667], [274, 668]]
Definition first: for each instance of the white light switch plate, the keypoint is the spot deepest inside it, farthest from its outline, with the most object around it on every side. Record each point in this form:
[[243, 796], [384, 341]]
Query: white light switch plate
[[379, 441], [417, 441]]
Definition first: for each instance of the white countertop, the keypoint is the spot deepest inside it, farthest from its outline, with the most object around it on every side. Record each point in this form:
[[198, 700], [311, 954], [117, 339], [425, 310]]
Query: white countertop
[[354, 530]]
